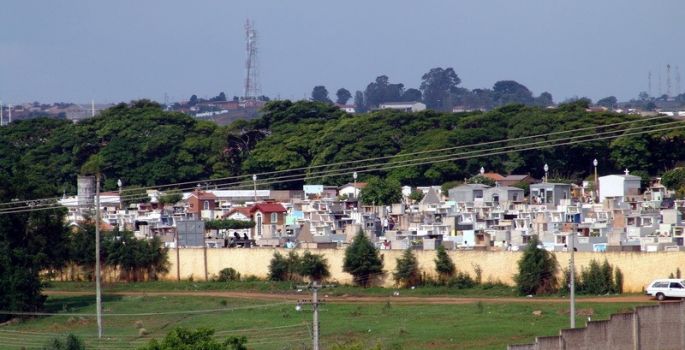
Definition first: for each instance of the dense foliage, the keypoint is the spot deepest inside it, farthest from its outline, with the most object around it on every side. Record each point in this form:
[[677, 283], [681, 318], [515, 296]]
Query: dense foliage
[[537, 270], [143, 145], [362, 260], [228, 224], [199, 339]]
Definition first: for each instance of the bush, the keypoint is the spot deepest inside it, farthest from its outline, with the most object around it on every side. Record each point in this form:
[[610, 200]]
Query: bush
[[537, 270], [362, 260], [314, 266], [278, 267], [444, 265], [71, 342], [407, 271], [283, 268], [202, 338], [228, 274], [599, 279], [461, 280]]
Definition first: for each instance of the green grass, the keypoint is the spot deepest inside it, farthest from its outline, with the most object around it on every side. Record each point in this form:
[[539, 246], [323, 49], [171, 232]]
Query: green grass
[[485, 290], [277, 325]]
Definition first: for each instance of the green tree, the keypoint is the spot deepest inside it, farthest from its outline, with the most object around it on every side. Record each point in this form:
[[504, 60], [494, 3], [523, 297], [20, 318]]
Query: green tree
[[608, 102], [509, 91], [416, 196], [359, 104], [674, 179], [544, 100], [437, 85], [412, 95], [320, 94], [170, 197], [343, 95], [381, 192], [278, 267], [199, 339], [407, 272], [362, 260], [537, 270], [314, 266], [480, 179], [444, 265], [381, 91]]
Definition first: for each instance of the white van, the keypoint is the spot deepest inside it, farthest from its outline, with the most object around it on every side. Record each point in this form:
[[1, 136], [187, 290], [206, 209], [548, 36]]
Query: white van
[[666, 288]]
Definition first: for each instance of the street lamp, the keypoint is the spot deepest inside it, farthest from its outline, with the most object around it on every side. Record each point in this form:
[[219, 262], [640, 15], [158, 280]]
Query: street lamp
[[482, 171], [254, 183], [121, 200], [594, 162], [354, 177], [546, 168]]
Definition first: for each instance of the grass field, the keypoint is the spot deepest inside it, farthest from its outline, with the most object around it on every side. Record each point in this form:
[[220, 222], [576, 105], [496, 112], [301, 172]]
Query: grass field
[[276, 324]]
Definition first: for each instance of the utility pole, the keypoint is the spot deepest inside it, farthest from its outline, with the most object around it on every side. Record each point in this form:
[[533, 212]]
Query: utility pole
[[98, 295], [9, 114], [314, 286], [572, 271], [1, 118]]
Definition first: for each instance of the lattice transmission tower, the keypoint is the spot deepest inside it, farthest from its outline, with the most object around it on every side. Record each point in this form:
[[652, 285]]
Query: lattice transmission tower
[[252, 90]]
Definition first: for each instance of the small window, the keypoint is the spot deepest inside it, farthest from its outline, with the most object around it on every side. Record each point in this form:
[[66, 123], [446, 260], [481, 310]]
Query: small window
[[676, 285], [206, 205], [274, 217]]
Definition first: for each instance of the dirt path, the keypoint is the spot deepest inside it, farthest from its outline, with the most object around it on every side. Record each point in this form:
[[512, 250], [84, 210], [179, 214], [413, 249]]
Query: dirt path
[[366, 299]]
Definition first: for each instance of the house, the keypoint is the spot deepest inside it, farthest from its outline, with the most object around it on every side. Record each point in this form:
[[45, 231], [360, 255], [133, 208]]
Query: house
[[269, 218], [201, 204], [549, 193], [350, 191], [618, 186], [467, 192], [403, 106], [239, 214]]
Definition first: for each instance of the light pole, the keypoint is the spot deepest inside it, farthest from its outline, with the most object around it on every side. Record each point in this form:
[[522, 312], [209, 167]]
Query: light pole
[[254, 183], [354, 177], [594, 162], [482, 171], [546, 168], [121, 200]]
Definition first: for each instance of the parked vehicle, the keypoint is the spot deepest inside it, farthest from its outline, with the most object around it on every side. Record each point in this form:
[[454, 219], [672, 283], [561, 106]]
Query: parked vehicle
[[666, 288]]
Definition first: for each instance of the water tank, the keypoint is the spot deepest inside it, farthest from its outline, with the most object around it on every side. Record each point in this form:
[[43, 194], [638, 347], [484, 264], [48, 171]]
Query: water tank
[[86, 191]]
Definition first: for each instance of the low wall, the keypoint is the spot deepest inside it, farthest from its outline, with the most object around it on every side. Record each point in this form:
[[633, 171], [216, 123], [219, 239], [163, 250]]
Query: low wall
[[638, 268], [648, 327]]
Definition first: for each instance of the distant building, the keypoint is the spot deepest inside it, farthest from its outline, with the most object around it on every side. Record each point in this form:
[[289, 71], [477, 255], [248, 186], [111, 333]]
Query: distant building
[[618, 186], [403, 106]]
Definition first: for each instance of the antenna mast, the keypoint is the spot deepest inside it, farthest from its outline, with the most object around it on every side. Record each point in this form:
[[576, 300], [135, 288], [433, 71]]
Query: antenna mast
[[668, 80], [649, 83], [251, 90], [677, 80]]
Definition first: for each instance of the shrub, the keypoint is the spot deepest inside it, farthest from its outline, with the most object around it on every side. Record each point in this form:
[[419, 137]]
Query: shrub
[[278, 267], [71, 342], [537, 270], [444, 265], [461, 280], [202, 338], [362, 260], [407, 271], [314, 266], [618, 281], [228, 274]]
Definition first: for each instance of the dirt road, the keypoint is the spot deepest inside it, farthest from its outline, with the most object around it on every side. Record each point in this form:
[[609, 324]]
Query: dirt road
[[367, 299]]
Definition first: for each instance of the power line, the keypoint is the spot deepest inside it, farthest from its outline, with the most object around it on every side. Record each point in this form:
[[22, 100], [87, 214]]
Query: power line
[[246, 176]]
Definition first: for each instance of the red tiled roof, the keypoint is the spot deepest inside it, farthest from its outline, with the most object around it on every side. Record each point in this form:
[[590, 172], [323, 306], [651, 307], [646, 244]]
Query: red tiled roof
[[243, 210], [203, 195], [268, 207], [494, 176]]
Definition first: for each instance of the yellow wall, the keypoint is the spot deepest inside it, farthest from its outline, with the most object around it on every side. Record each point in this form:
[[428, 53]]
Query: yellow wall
[[638, 268]]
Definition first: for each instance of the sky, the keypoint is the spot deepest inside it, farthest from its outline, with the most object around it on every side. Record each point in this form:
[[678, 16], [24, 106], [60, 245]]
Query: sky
[[113, 51]]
